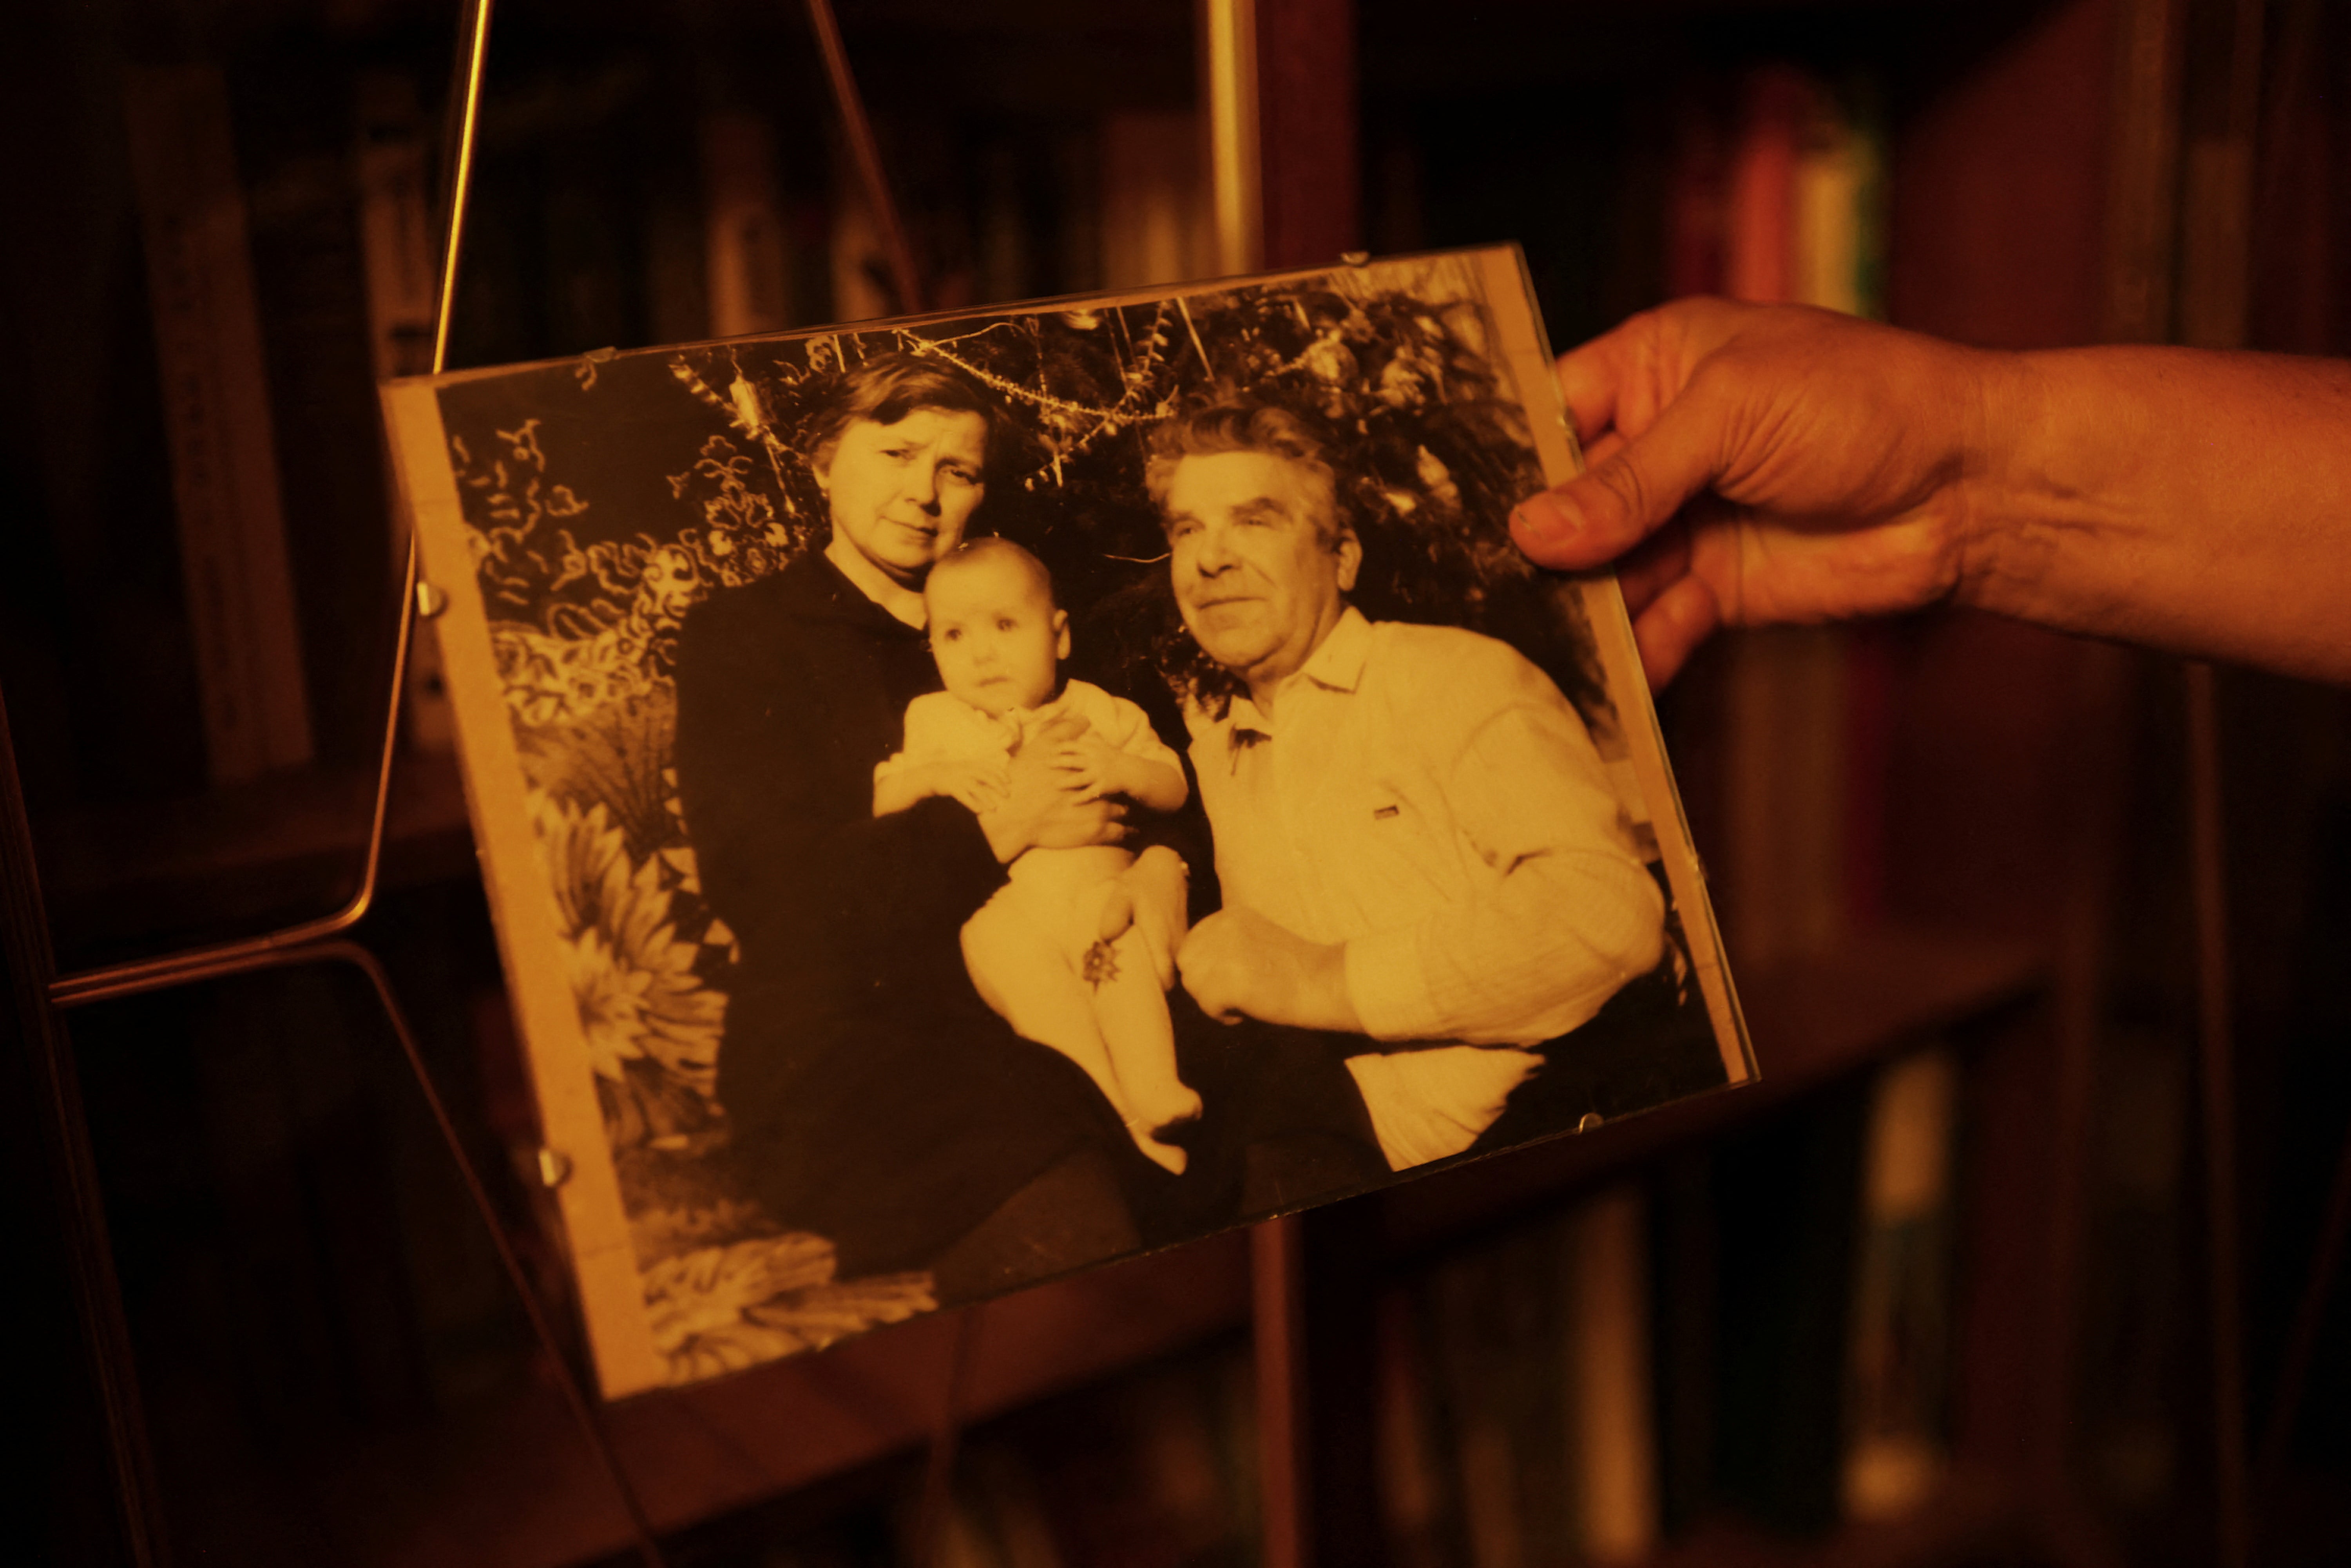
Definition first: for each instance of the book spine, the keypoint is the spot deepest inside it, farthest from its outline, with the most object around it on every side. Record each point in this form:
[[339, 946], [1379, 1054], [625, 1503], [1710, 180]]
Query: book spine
[[746, 245], [1695, 202], [215, 394], [1154, 207], [1898, 1354], [1611, 1444], [1413, 1493], [396, 253], [1760, 253], [1807, 706]]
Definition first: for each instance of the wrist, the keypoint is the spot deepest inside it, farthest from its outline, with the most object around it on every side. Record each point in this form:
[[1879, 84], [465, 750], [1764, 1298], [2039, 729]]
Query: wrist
[[1329, 1003], [1007, 837], [1998, 436], [2044, 477]]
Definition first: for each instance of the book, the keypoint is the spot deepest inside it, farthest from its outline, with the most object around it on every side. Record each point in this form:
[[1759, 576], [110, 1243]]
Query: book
[[1897, 1357], [1804, 706], [402, 273], [215, 394], [1414, 1500], [1154, 213], [2137, 1415], [1501, 1341], [1786, 1198], [747, 240], [1613, 1441]]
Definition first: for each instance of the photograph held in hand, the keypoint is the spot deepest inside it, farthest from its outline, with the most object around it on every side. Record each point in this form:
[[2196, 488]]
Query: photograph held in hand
[[972, 797]]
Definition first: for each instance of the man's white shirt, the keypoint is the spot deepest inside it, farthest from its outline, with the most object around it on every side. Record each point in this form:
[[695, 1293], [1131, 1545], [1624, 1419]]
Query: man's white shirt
[[1426, 796]]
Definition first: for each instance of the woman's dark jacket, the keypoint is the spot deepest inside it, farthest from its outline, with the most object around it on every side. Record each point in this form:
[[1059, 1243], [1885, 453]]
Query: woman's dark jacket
[[873, 1098]]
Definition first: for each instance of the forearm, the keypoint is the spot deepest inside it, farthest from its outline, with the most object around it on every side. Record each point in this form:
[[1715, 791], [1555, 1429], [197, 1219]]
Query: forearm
[[2191, 500], [1152, 784], [898, 789], [1531, 961]]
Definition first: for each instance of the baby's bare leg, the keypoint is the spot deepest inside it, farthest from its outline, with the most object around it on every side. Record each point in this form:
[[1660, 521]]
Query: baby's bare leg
[[1129, 1002], [1133, 1013], [1021, 972]]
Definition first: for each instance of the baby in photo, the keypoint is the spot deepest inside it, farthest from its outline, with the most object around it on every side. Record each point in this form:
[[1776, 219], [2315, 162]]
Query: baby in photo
[[1057, 952]]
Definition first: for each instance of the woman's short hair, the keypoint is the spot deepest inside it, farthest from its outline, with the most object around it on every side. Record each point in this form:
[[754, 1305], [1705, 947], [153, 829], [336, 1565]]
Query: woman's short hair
[[1245, 424], [888, 387]]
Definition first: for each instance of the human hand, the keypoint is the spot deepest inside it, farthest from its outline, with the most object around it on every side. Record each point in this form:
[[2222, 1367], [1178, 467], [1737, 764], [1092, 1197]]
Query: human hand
[[1089, 763], [1752, 464], [1041, 733], [1238, 963], [1041, 810], [979, 785]]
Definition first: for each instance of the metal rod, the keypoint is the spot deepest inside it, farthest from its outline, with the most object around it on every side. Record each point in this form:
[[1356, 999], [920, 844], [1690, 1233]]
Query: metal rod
[[224, 957], [26, 963], [867, 155], [2210, 871], [460, 184]]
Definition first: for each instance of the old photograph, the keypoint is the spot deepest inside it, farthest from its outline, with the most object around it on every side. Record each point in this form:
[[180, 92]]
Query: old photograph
[[969, 797]]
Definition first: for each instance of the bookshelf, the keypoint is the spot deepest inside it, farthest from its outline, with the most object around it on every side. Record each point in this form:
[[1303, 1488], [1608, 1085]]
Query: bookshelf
[[2000, 835]]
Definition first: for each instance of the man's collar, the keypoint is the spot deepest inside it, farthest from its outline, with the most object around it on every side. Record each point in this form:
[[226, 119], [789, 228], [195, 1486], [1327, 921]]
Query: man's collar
[[1336, 665]]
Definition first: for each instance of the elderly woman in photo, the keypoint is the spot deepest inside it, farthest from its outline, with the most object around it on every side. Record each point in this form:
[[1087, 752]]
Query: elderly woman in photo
[[873, 1097]]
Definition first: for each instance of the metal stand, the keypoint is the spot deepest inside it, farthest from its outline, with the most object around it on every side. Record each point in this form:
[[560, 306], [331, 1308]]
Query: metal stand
[[317, 941]]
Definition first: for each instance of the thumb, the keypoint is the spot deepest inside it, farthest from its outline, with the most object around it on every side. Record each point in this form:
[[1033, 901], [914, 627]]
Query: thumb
[[1608, 508]]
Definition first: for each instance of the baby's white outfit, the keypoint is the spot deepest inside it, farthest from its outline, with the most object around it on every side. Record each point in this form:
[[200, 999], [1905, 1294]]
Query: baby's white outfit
[[1046, 887]]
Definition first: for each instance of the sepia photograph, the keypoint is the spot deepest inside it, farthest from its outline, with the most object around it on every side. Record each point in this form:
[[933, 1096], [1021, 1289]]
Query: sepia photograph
[[972, 797]]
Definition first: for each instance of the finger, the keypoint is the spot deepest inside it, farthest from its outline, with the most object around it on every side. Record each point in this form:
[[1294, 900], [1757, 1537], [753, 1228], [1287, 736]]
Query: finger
[[1590, 374], [1598, 452], [1671, 628], [1609, 507], [1653, 565]]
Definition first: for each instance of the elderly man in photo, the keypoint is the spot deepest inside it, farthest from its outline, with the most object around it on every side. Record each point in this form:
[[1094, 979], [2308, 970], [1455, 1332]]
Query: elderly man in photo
[[1416, 837]]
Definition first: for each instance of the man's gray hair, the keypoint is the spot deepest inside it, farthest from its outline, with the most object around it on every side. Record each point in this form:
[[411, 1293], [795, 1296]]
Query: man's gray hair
[[1245, 424]]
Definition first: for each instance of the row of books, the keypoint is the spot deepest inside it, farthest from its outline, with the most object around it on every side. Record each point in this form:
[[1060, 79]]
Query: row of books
[[1760, 1332]]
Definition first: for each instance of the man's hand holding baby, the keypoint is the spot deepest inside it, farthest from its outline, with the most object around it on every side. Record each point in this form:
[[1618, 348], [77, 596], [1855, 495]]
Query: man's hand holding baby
[[1096, 768], [1042, 809], [1089, 763], [981, 785]]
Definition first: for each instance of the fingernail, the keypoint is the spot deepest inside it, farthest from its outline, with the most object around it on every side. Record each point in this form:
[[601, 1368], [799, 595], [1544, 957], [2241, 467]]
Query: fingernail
[[1545, 517]]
